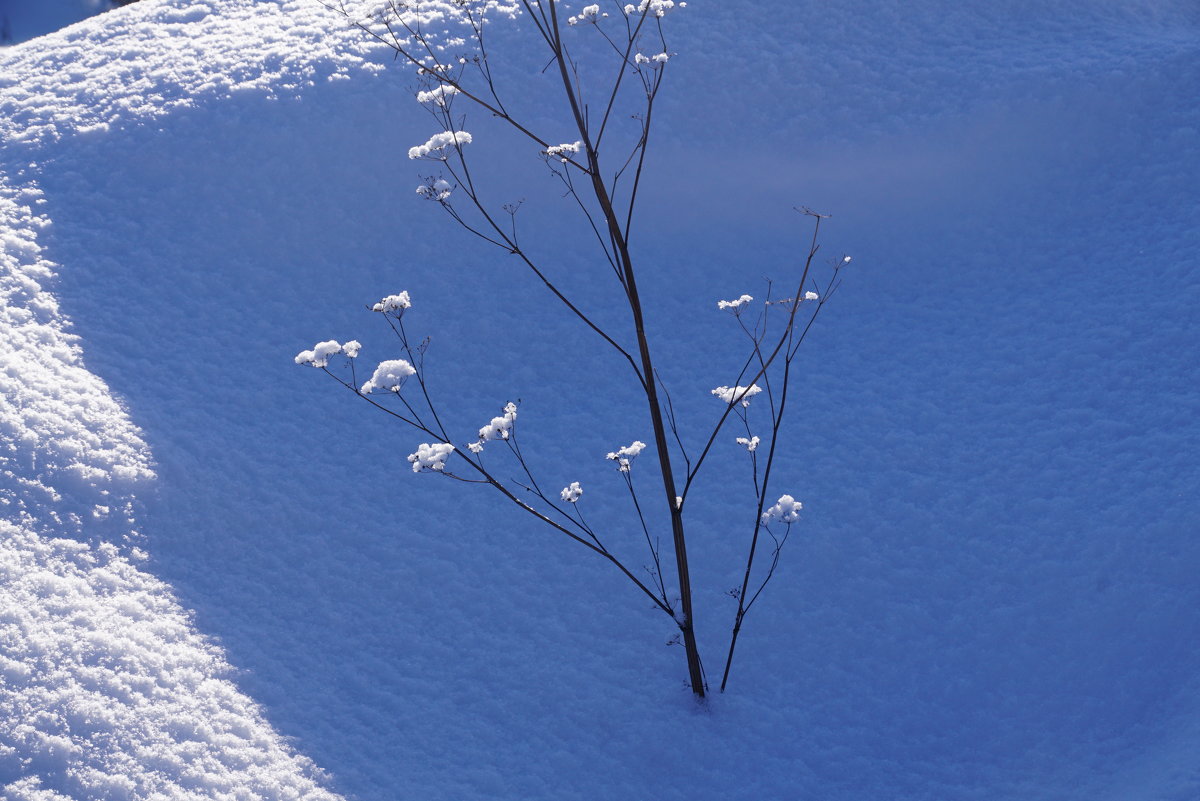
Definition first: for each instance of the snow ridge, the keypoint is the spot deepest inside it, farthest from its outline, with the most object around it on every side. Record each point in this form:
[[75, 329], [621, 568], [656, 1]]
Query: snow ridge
[[69, 82], [107, 691], [70, 456]]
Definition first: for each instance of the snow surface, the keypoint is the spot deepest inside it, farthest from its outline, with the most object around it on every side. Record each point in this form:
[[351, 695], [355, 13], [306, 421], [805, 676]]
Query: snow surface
[[991, 593], [24, 19]]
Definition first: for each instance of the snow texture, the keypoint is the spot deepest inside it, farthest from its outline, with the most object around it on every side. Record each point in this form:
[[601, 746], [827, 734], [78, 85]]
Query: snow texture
[[438, 143], [786, 510], [993, 592], [389, 375], [624, 456], [397, 303], [499, 427], [108, 691], [734, 306], [431, 457], [742, 395]]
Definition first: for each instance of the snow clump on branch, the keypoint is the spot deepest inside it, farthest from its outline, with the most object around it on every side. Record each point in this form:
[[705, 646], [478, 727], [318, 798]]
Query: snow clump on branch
[[559, 150], [499, 428], [751, 443], [655, 61], [389, 375], [440, 190], [572, 493], [731, 394], [393, 303], [624, 456], [438, 94], [439, 142], [320, 353], [811, 296], [431, 457], [786, 510], [657, 8], [734, 306], [586, 14]]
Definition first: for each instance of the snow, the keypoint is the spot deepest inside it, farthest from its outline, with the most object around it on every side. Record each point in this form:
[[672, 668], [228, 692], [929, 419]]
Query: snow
[[437, 95], [569, 147], [109, 691], [786, 510], [736, 305], [731, 395], [438, 143], [499, 427], [431, 456], [320, 353], [625, 455], [751, 443], [389, 376], [394, 303], [24, 19], [218, 575]]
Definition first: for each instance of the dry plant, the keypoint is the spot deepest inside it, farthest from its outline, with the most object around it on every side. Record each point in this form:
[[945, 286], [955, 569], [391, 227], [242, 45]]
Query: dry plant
[[447, 43]]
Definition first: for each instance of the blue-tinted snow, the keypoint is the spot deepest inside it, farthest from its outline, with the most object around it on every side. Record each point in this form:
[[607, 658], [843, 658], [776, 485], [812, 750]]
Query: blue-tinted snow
[[993, 592], [21, 20]]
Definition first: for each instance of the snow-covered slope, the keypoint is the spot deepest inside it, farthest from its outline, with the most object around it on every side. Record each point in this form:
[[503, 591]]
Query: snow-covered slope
[[993, 595], [24, 19]]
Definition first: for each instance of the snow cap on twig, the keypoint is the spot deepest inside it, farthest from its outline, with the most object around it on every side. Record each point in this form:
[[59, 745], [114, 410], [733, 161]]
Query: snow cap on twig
[[389, 375], [734, 306], [751, 443], [732, 394], [431, 456], [393, 303], [499, 428], [786, 510], [320, 353], [439, 142], [624, 456]]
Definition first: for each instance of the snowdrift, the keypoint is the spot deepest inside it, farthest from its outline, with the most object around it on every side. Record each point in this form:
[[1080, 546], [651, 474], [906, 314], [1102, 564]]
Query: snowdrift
[[221, 579]]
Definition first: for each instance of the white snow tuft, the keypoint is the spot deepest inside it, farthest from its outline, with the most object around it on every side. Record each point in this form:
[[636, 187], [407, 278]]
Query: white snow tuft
[[389, 375], [624, 456], [786, 510], [393, 303], [734, 394], [430, 457]]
